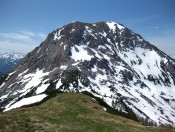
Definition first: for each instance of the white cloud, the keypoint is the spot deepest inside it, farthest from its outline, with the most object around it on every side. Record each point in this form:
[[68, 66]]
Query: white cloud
[[28, 33], [8, 46], [32, 34], [15, 36], [22, 41]]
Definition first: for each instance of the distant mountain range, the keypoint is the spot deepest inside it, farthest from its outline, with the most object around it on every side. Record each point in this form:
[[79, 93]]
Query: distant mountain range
[[9, 60], [105, 59]]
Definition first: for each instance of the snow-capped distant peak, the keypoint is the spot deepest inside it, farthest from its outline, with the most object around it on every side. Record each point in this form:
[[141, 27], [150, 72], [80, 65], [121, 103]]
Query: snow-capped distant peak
[[9, 60], [11, 55]]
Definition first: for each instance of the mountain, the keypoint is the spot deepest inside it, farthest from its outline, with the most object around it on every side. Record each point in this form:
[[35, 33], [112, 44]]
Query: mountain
[[105, 59], [9, 60]]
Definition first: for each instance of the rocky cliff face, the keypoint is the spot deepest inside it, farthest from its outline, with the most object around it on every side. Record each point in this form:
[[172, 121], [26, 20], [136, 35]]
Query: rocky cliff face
[[106, 59]]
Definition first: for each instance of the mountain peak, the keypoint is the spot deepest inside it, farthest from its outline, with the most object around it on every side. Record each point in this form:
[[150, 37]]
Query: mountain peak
[[104, 58]]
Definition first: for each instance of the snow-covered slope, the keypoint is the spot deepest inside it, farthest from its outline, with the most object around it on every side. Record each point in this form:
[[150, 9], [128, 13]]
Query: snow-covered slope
[[106, 59], [9, 60]]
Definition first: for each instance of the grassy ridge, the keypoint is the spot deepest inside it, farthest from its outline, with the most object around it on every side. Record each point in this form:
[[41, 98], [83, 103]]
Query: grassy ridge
[[70, 112]]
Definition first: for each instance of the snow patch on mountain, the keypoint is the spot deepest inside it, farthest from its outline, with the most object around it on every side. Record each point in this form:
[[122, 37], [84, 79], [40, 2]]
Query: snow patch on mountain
[[80, 53], [112, 26], [27, 101]]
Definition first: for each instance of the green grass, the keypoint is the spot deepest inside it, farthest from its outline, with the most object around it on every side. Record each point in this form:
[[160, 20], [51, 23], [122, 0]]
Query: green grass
[[70, 112]]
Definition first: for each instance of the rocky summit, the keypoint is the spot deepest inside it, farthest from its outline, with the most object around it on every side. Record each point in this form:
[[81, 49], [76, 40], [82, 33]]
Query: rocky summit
[[105, 59]]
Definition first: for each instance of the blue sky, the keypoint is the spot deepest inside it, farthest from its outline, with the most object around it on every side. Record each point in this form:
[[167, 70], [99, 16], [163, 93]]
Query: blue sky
[[26, 23]]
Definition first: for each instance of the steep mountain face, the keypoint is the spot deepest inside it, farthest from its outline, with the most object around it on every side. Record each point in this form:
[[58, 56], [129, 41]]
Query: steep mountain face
[[9, 60], [106, 59]]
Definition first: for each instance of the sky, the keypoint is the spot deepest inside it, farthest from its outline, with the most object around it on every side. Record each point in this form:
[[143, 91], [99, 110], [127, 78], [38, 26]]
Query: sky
[[24, 24]]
